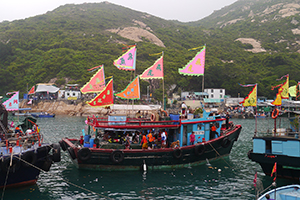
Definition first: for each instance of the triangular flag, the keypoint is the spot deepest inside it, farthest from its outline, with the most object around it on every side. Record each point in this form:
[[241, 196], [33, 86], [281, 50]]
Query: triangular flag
[[96, 83], [250, 100], [127, 60], [105, 98], [293, 91], [156, 71], [196, 66], [12, 103], [31, 91], [274, 170], [278, 100], [132, 91]]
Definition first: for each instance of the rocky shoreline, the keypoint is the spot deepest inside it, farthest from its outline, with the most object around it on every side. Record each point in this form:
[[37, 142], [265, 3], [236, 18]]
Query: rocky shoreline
[[62, 107]]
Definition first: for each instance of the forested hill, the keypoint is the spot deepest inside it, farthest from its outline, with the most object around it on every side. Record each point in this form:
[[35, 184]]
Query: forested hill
[[62, 44]]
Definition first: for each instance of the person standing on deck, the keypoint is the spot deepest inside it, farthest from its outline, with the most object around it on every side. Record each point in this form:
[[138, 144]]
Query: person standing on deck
[[183, 109], [144, 142], [192, 138], [213, 132], [227, 120], [150, 139]]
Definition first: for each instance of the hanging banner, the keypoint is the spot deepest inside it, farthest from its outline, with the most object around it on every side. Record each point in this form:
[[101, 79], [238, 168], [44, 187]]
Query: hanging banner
[[12, 103], [250, 100], [156, 71], [105, 98], [127, 60], [132, 91], [96, 83], [196, 66]]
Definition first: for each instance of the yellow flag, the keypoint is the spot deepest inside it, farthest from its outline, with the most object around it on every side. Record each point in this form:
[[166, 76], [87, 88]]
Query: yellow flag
[[277, 101], [250, 100], [284, 89]]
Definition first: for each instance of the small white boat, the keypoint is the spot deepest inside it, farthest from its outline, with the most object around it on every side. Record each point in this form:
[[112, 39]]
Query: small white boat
[[289, 192]]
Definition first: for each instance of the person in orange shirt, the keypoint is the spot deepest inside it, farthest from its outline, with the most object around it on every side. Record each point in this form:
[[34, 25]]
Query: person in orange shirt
[[213, 132], [144, 142], [150, 139]]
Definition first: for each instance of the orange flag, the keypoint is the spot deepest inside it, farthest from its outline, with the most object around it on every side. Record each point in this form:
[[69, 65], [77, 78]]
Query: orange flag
[[274, 170], [132, 91], [96, 83]]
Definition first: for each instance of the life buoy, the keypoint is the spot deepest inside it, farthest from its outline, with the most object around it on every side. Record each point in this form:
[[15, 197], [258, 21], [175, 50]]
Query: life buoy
[[63, 145], [177, 153], [275, 113], [29, 157], [71, 152], [5, 165], [199, 149], [117, 156], [166, 114], [56, 152], [84, 154], [226, 142], [152, 117]]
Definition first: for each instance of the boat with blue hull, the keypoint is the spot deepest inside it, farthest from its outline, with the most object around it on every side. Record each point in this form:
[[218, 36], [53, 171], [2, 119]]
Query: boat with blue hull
[[281, 146], [289, 192], [42, 115], [23, 155], [102, 148]]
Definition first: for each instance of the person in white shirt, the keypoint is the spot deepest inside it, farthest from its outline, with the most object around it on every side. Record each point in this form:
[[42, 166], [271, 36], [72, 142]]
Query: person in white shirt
[[183, 109]]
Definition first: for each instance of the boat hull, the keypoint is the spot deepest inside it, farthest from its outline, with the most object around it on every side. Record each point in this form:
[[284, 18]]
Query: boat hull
[[287, 166], [20, 173], [153, 159]]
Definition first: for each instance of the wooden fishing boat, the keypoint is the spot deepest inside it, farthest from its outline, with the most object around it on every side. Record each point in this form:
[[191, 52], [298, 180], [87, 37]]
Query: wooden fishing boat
[[23, 156], [96, 150]]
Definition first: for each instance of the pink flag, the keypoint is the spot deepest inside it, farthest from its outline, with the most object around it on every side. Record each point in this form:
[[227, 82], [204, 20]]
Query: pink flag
[[156, 71], [196, 66], [127, 60]]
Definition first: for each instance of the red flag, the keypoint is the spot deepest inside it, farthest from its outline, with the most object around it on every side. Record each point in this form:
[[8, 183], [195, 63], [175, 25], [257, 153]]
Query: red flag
[[255, 179], [274, 171], [31, 91]]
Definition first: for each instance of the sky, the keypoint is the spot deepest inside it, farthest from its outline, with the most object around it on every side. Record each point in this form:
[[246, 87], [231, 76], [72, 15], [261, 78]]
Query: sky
[[181, 10]]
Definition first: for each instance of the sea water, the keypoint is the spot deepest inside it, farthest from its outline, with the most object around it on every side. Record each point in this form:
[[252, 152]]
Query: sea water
[[226, 178]]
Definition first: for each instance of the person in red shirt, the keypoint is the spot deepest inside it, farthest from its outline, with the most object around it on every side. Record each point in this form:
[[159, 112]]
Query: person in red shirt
[[192, 138]]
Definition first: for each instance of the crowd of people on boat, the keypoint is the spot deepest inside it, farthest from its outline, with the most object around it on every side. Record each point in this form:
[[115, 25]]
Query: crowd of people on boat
[[150, 139]]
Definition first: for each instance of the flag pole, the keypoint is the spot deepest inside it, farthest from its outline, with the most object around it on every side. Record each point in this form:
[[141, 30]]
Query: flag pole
[[256, 113], [203, 77], [163, 88]]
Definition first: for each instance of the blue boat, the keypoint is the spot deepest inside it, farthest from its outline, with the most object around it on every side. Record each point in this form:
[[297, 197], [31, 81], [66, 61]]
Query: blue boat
[[289, 192], [280, 145], [23, 155], [43, 115]]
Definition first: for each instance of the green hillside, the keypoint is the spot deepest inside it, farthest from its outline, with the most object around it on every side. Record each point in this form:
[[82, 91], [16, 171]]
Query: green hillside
[[62, 44]]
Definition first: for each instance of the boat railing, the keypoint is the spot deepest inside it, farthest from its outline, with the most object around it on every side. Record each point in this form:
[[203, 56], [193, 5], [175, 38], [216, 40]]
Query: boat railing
[[104, 122], [280, 132]]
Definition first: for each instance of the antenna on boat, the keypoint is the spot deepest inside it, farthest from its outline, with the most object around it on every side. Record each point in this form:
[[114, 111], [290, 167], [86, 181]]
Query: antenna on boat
[[255, 131]]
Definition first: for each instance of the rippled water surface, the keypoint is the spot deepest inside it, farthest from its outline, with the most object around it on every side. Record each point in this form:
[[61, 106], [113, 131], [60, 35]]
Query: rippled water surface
[[230, 178]]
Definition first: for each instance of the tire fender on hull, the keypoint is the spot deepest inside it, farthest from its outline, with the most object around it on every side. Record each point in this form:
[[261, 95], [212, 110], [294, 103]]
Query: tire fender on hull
[[199, 149], [63, 145], [117, 156], [56, 152], [226, 142], [72, 153], [177, 153], [84, 154]]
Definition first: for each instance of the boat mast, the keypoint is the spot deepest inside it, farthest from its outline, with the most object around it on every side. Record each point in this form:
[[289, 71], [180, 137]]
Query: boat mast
[[163, 88], [255, 131]]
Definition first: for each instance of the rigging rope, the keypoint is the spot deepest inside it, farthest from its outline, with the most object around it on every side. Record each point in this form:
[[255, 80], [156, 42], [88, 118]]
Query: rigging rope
[[63, 179], [220, 156]]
